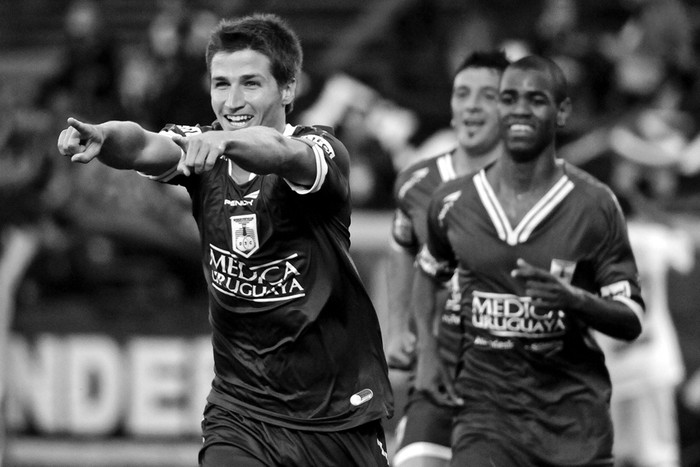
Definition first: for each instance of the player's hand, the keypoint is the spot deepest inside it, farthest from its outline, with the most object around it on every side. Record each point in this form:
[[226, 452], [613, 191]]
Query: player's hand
[[546, 290], [82, 142], [401, 350], [200, 151], [433, 379]]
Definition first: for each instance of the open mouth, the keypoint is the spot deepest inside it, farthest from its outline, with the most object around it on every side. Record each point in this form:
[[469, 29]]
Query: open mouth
[[472, 126], [520, 129], [238, 121]]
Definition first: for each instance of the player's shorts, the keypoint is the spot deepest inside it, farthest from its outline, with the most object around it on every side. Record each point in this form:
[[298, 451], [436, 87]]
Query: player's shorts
[[233, 440], [424, 431]]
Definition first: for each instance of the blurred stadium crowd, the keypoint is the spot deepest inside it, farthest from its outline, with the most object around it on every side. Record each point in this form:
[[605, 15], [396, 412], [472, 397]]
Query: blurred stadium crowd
[[78, 243]]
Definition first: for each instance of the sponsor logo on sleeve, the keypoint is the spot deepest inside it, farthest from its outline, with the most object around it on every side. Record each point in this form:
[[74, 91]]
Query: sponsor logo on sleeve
[[618, 289], [447, 203], [415, 177], [322, 143]]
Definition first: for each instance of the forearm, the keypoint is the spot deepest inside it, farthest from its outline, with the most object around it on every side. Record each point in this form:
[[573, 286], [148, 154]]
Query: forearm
[[127, 145], [264, 150], [423, 308], [400, 272], [123, 142], [612, 317]]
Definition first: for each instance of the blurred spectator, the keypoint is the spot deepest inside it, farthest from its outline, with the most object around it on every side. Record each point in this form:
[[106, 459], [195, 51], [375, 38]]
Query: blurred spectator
[[375, 130], [24, 172], [167, 79], [184, 94], [89, 65], [646, 373]]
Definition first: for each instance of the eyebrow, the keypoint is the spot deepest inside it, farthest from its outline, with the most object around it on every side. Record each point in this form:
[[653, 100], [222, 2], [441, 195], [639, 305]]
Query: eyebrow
[[242, 77]]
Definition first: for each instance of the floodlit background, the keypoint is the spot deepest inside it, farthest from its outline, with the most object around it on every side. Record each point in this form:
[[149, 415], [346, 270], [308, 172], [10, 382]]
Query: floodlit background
[[106, 357]]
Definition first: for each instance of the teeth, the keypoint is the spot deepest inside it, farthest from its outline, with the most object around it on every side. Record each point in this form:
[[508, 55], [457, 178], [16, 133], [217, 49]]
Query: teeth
[[520, 127], [238, 118]]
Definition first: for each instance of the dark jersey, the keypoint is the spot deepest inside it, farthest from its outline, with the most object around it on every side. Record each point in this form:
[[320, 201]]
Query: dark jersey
[[532, 378], [296, 339], [413, 190]]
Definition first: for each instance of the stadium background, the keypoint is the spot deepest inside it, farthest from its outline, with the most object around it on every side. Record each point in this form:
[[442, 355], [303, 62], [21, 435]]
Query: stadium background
[[108, 362]]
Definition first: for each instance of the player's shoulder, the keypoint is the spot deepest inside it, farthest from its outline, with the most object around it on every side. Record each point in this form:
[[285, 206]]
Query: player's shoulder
[[313, 132], [429, 167], [590, 192], [423, 165], [586, 184]]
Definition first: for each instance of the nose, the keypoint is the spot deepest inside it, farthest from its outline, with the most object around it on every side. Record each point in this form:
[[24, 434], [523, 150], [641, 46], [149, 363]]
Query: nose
[[521, 106], [472, 102], [235, 99]]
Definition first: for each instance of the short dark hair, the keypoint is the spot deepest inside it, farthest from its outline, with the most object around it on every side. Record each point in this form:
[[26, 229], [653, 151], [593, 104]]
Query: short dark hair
[[543, 64], [495, 59], [265, 33]]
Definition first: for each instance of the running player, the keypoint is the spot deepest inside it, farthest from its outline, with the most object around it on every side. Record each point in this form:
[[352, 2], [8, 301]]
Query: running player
[[542, 257], [423, 437], [300, 374]]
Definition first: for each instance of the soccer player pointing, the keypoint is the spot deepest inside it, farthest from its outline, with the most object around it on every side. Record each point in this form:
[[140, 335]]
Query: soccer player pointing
[[542, 258], [300, 376]]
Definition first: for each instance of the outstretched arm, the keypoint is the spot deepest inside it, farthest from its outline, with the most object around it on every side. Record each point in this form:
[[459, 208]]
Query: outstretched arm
[[119, 144], [258, 149]]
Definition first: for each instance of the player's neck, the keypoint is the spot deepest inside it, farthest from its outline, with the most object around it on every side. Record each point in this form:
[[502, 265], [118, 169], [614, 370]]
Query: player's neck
[[530, 176], [238, 174], [465, 162], [520, 185]]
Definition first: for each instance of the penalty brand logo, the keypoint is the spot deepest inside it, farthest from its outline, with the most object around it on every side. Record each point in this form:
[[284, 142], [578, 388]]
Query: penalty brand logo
[[244, 232], [246, 201]]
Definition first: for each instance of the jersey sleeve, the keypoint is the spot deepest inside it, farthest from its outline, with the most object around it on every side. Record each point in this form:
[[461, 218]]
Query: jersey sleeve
[[332, 166], [403, 232], [436, 257], [617, 272]]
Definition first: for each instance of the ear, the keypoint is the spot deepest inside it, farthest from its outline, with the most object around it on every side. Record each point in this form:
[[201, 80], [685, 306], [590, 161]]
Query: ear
[[288, 92], [563, 112]]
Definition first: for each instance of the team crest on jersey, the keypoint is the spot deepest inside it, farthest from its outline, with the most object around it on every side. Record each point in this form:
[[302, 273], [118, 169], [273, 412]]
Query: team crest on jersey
[[563, 269], [322, 143], [244, 231]]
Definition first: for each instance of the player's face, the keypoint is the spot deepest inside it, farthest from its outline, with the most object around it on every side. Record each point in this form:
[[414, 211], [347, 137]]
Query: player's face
[[475, 109], [244, 93], [528, 112]]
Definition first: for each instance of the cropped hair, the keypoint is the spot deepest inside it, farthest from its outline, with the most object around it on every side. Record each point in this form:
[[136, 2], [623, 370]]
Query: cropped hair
[[265, 33], [545, 65], [496, 60]]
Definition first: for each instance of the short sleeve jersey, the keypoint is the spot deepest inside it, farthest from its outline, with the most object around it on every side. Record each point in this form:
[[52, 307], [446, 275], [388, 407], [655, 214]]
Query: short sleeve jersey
[[413, 190], [295, 335], [533, 378]]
